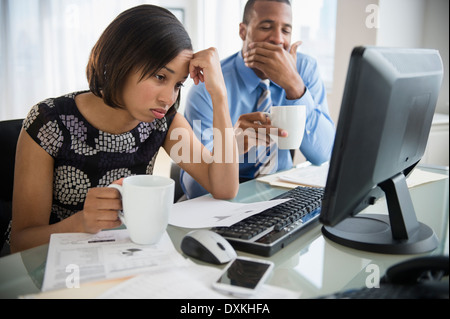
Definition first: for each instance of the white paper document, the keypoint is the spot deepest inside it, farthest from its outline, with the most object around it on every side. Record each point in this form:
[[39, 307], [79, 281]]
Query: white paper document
[[311, 175], [207, 212], [79, 258], [189, 282], [304, 174]]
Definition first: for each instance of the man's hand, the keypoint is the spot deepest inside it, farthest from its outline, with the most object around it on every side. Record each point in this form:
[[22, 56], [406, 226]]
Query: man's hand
[[277, 64], [253, 129]]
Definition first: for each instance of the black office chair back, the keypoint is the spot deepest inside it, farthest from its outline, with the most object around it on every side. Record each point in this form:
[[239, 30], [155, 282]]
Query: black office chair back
[[9, 133], [175, 175]]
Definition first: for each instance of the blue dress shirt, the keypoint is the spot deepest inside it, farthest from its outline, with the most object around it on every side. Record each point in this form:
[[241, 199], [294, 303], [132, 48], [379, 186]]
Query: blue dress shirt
[[243, 93]]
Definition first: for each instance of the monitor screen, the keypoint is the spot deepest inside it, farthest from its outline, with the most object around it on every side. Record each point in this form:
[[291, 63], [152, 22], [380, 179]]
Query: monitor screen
[[384, 123]]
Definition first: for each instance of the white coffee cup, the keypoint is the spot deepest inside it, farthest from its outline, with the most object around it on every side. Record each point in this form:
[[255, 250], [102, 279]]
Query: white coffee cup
[[291, 118], [147, 202]]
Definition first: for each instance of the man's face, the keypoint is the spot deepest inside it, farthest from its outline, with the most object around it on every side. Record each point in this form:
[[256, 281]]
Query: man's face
[[269, 22]]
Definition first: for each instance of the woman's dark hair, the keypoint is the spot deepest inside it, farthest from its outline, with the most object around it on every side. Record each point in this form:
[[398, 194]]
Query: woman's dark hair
[[249, 7], [145, 37]]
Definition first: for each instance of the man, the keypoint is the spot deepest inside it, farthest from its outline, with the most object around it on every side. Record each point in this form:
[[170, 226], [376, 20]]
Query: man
[[267, 53]]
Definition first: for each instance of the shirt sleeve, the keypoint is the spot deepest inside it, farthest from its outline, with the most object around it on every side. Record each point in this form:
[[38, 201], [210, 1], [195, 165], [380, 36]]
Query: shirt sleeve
[[43, 127], [319, 135], [199, 114]]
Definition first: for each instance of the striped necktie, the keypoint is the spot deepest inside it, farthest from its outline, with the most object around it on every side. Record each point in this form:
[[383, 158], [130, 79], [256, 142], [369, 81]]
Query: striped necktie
[[265, 100], [267, 159]]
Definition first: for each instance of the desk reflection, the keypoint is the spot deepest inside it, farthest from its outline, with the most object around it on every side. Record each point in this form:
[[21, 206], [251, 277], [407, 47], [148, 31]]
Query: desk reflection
[[312, 264]]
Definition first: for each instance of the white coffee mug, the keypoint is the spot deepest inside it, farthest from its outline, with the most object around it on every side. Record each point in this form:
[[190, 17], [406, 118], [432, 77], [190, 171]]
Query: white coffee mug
[[291, 118], [147, 202]]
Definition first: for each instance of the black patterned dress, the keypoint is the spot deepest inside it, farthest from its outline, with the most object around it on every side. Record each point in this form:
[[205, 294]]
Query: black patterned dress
[[86, 157]]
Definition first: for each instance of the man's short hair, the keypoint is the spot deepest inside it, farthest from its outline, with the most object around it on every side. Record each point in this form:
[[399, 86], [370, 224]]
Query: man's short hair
[[249, 7]]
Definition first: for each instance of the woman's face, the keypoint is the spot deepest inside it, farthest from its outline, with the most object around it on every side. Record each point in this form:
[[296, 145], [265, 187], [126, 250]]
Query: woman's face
[[150, 98]]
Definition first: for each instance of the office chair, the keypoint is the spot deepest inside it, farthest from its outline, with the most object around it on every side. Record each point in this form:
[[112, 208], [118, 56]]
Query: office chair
[[9, 133], [175, 175]]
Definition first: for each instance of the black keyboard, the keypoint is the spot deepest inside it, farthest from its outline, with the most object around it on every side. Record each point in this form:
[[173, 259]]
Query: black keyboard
[[430, 290], [266, 233], [424, 277]]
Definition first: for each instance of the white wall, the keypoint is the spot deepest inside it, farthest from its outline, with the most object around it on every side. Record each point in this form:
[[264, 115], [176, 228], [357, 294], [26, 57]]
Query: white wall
[[401, 23], [351, 31], [436, 34], [424, 24], [407, 23]]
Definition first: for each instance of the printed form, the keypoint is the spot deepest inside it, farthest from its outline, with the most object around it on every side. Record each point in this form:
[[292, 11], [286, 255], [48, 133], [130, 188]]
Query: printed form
[[148, 272], [81, 258]]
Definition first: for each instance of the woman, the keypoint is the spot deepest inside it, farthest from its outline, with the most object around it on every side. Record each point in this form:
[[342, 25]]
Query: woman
[[72, 147]]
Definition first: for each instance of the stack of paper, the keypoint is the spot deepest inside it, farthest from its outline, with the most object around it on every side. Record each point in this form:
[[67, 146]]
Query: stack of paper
[[191, 282], [311, 175], [305, 175], [316, 176], [77, 258], [109, 266]]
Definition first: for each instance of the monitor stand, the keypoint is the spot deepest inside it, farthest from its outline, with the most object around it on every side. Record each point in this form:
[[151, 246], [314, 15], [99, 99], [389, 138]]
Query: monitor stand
[[396, 233]]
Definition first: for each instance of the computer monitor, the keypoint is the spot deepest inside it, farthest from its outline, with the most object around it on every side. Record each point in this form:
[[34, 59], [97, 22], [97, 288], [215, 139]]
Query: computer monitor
[[384, 123]]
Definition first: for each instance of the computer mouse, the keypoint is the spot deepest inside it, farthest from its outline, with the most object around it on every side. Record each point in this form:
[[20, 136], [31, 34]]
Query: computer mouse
[[208, 246]]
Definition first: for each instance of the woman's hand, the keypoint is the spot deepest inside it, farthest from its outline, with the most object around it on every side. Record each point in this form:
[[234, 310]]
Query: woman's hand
[[217, 172], [205, 67], [101, 209]]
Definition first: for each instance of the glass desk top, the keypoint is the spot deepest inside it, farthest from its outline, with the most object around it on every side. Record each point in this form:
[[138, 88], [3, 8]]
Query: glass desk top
[[311, 265]]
